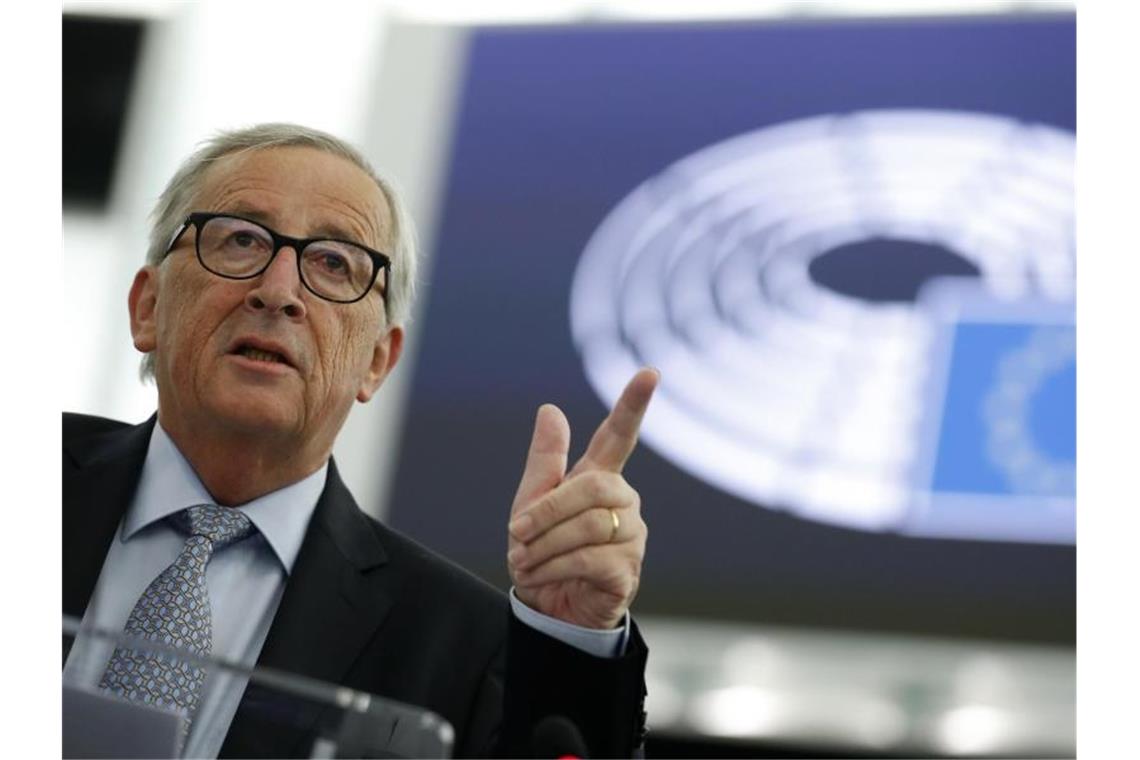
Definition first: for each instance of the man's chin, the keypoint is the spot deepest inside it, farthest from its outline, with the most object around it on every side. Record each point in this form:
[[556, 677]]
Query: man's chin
[[257, 413]]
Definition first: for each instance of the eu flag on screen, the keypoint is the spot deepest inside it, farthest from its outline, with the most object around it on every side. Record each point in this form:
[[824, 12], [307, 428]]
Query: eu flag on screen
[[1002, 444]]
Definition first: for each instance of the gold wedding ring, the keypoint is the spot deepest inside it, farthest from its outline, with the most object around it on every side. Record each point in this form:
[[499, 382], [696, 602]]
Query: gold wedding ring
[[617, 524]]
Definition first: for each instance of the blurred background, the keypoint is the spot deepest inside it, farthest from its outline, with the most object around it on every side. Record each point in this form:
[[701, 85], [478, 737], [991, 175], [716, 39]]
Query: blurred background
[[844, 233]]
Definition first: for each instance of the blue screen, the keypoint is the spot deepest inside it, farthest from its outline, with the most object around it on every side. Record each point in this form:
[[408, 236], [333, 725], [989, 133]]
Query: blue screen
[[555, 127]]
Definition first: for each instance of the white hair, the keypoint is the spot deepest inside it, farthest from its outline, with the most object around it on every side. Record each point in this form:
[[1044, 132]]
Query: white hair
[[174, 205]]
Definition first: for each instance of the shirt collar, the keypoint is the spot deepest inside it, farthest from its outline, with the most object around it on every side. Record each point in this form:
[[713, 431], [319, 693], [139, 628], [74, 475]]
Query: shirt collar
[[169, 484]]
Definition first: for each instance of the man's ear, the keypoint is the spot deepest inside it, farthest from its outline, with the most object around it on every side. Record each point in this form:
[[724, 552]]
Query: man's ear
[[142, 303], [385, 354]]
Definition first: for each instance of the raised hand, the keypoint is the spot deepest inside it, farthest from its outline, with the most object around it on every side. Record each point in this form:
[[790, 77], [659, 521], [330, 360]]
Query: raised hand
[[577, 540]]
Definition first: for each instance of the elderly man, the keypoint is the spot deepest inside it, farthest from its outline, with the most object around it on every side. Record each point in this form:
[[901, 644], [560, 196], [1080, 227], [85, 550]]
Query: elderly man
[[279, 276]]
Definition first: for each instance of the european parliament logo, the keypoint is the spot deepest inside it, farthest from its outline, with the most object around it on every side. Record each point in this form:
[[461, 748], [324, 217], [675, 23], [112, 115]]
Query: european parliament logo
[[865, 319]]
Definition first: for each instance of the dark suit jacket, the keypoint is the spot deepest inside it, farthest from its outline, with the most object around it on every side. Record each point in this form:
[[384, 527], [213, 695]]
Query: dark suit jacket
[[370, 609]]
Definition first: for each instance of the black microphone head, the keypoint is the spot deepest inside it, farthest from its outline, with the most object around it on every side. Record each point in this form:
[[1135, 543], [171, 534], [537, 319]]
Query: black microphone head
[[556, 736]]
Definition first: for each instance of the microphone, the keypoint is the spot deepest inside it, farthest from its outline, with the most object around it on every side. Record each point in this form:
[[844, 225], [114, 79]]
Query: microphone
[[557, 737]]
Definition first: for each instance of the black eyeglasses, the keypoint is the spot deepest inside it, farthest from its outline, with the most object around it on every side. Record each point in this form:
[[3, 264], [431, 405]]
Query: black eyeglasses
[[240, 249]]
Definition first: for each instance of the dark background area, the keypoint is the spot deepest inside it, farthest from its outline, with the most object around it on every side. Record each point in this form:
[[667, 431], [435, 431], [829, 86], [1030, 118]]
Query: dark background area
[[100, 56]]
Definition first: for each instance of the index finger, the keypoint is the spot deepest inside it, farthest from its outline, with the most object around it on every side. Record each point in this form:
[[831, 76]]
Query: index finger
[[616, 437]]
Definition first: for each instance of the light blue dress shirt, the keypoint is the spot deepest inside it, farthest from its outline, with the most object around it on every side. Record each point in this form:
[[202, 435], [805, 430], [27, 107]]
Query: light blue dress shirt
[[246, 581]]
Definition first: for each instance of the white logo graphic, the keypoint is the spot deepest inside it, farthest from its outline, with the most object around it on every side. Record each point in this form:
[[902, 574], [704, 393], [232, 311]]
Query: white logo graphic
[[777, 387]]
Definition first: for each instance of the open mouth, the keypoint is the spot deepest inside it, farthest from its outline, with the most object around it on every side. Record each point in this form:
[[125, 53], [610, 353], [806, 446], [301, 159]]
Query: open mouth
[[260, 354]]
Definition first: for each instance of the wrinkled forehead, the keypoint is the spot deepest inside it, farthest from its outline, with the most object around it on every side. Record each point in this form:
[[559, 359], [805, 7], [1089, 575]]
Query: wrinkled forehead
[[300, 191]]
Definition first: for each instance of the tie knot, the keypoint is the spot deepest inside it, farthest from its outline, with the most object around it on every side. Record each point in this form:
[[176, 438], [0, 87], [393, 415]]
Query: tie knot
[[222, 525]]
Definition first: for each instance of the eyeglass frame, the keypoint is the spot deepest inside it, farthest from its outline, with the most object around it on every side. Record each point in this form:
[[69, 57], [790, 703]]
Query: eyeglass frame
[[380, 261]]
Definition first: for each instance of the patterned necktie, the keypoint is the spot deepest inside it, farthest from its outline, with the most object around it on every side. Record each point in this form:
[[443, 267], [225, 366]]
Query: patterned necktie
[[175, 610]]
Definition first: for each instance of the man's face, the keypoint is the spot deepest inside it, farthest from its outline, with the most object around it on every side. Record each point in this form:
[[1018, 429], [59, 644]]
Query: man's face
[[213, 336]]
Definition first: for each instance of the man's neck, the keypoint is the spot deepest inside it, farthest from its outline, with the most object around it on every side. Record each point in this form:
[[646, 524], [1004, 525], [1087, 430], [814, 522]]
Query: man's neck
[[237, 467]]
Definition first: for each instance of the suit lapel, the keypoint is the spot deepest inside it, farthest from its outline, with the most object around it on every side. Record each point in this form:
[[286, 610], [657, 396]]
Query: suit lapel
[[336, 597], [100, 475]]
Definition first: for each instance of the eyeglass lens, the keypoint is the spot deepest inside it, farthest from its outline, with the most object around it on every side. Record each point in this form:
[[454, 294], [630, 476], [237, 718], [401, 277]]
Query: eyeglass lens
[[238, 248]]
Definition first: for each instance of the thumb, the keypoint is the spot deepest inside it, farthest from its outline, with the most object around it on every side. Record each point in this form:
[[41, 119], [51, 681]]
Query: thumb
[[546, 460]]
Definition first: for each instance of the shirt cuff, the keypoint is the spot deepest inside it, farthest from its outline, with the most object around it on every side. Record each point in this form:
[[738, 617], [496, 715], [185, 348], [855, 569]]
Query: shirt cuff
[[599, 643]]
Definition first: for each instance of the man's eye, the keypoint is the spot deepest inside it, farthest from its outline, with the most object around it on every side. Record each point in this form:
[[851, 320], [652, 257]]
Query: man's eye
[[334, 263], [246, 241], [243, 239]]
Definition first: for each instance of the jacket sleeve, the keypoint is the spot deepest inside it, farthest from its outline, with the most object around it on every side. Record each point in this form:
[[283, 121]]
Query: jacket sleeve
[[604, 698]]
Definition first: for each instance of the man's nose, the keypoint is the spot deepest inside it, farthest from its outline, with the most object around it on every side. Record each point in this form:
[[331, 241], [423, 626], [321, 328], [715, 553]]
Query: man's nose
[[278, 288]]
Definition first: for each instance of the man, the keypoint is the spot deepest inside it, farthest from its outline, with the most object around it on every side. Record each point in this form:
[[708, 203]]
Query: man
[[279, 274]]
